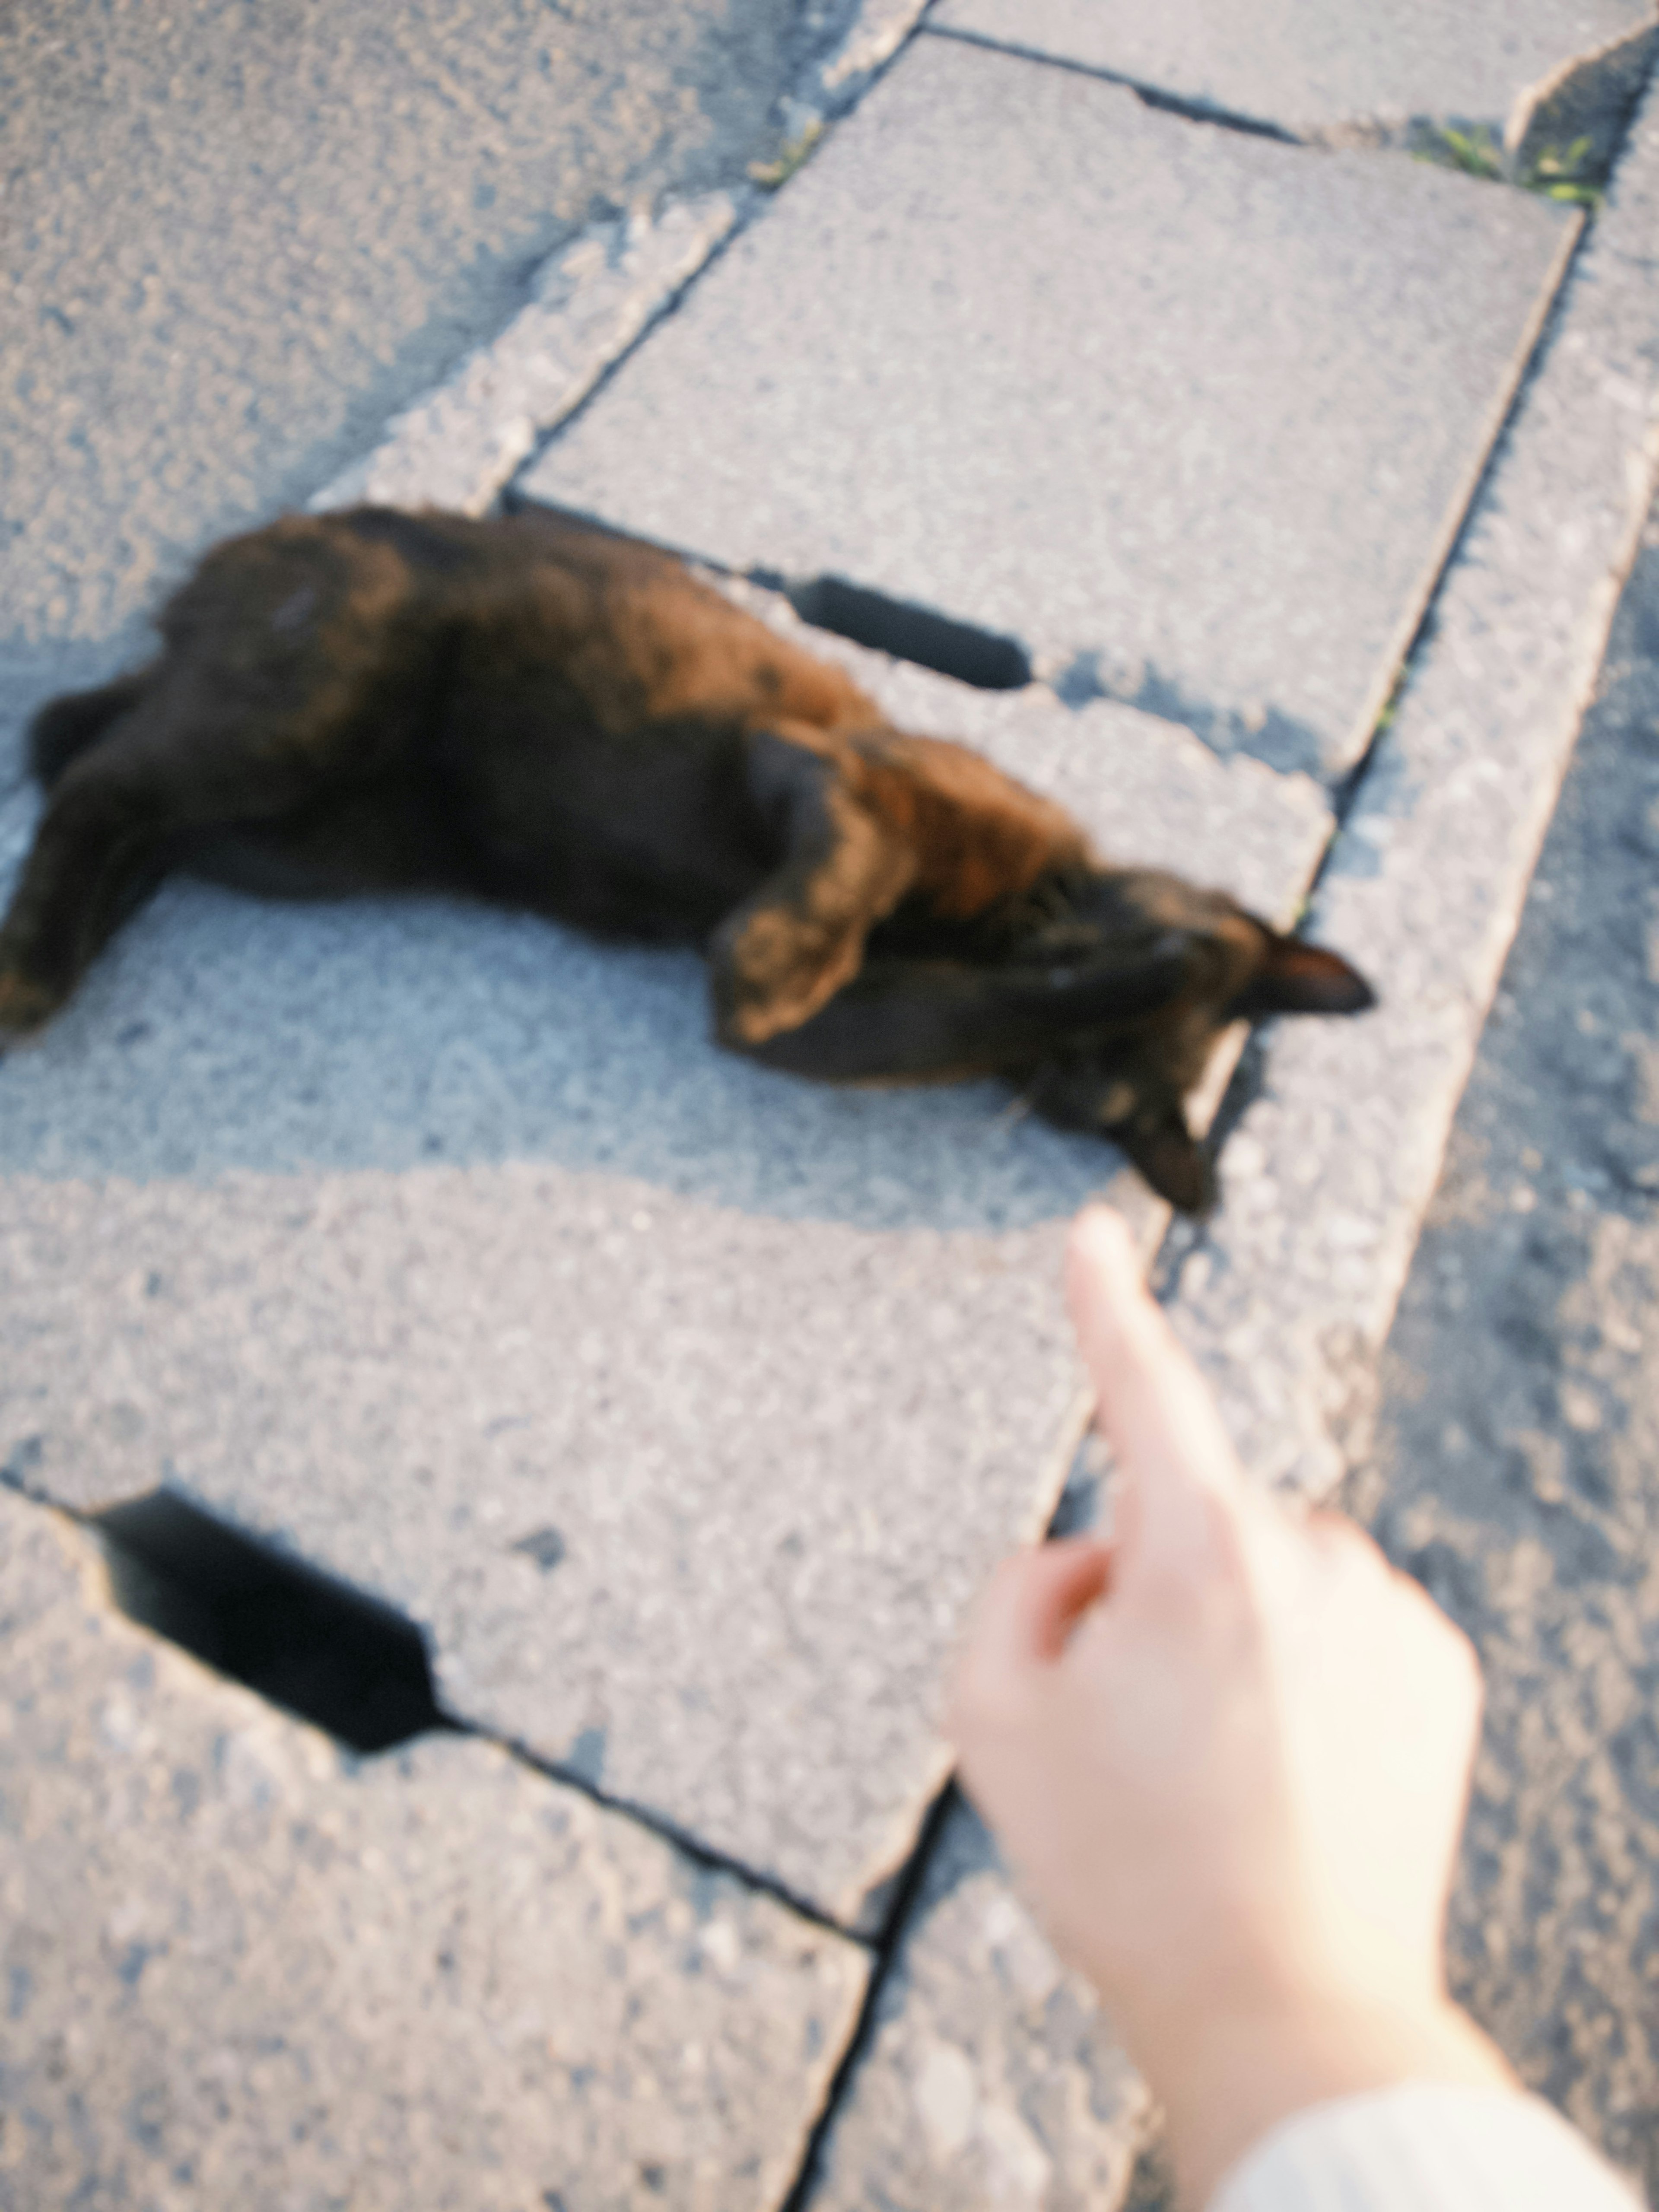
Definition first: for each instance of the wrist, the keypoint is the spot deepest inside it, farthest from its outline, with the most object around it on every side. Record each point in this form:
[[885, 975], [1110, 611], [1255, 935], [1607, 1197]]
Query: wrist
[[1227, 2073]]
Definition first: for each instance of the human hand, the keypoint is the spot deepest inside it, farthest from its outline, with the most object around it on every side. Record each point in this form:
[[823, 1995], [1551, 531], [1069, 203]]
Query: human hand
[[1230, 1754]]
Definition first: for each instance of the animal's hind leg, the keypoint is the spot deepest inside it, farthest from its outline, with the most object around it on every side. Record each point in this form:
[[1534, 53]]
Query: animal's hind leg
[[65, 727], [791, 946], [181, 761], [286, 677]]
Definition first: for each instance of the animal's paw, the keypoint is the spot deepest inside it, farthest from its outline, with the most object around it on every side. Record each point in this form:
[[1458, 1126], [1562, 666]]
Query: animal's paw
[[743, 1024], [747, 1013], [769, 971], [24, 1006]]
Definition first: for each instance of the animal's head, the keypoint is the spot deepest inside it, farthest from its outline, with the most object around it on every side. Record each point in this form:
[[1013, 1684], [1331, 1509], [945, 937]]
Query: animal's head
[[1102, 990], [1129, 1077]]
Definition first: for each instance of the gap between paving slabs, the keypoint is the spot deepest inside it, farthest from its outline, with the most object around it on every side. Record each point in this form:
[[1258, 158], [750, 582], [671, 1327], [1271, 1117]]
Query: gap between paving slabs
[[1523, 77], [303, 1640]]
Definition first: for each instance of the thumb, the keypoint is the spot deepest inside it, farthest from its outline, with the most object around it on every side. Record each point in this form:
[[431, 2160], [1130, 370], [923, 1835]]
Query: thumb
[[1153, 1406], [1036, 1599], [1019, 1629]]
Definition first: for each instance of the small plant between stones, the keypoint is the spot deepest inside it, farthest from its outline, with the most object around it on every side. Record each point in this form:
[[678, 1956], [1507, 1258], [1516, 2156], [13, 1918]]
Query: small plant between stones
[[1476, 153], [795, 151], [1566, 176], [1555, 173]]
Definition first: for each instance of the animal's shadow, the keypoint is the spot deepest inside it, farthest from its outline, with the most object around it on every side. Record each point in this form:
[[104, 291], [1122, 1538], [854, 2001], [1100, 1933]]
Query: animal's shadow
[[221, 1032]]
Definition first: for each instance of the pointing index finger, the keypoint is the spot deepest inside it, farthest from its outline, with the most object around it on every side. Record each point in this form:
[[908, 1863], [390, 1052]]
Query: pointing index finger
[[1153, 1406]]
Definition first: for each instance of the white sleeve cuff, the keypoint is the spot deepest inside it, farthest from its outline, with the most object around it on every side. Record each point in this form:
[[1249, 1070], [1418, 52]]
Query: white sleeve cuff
[[1425, 2147]]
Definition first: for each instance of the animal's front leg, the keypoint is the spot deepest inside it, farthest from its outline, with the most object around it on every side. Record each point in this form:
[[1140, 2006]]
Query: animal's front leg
[[791, 946], [925, 1020]]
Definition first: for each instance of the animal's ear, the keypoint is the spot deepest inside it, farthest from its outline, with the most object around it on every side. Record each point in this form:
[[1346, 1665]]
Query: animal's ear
[[1163, 1149], [1298, 978]]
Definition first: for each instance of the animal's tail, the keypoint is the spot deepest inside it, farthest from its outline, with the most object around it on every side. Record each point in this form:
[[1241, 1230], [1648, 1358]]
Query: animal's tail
[[65, 728]]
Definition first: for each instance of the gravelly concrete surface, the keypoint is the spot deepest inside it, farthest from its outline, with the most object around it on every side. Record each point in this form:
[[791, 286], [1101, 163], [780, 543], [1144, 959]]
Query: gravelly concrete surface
[[236, 238], [992, 2077], [244, 1969], [1518, 1465], [457, 446]]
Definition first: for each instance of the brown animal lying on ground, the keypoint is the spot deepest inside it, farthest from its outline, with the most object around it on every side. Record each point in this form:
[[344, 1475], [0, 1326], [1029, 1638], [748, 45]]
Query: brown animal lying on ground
[[539, 711]]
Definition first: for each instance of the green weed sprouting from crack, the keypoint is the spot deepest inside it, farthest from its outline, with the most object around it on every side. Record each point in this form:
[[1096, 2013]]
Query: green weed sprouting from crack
[[769, 175], [1476, 153], [1390, 705], [1555, 173], [1561, 176]]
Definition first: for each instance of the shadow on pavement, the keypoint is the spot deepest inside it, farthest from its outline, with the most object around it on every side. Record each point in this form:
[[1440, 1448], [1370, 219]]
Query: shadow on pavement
[[221, 1033]]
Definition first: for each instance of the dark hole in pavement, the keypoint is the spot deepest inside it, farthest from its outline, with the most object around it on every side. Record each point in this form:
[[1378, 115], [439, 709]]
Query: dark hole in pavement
[[545, 1546], [974, 656], [310, 1643]]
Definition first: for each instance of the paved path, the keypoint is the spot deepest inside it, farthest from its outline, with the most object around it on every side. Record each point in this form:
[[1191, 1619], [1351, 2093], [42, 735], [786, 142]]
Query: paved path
[[1518, 1466], [435, 1253]]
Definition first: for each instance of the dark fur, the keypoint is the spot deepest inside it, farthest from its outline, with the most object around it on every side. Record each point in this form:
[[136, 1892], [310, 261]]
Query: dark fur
[[540, 712]]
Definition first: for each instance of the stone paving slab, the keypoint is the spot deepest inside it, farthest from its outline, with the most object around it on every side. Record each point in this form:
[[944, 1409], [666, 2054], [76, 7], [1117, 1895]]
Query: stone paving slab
[[1192, 413], [991, 2079], [246, 1970], [1287, 1299], [1311, 66], [407, 1233]]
